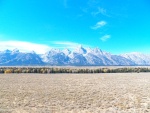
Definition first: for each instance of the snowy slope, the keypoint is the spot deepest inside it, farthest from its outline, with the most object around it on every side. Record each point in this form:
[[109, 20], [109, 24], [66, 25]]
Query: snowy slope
[[80, 56], [13, 58], [56, 57], [138, 58], [84, 56]]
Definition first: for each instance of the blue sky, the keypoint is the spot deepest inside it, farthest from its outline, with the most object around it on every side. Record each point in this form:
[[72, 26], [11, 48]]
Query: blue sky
[[118, 26]]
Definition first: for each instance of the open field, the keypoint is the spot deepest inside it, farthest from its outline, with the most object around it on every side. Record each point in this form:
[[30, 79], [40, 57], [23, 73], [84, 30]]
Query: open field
[[75, 93]]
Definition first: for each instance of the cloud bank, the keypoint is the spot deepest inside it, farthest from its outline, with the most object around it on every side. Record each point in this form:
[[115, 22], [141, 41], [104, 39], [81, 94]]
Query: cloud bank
[[24, 46], [38, 48]]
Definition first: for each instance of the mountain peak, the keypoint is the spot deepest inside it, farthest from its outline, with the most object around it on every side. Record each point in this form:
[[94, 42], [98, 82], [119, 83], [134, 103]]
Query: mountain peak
[[80, 50], [33, 52], [7, 51], [15, 50], [66, 51], [97, 51], [55, 50]]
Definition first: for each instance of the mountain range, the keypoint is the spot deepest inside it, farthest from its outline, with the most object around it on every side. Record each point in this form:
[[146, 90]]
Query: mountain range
[[78, 57]]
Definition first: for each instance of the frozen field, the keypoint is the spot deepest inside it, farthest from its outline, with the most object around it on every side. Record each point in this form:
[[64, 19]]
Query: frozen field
[[75, 93]]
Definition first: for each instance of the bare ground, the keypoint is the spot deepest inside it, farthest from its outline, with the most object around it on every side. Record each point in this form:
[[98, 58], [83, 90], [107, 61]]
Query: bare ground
[[75, 93]]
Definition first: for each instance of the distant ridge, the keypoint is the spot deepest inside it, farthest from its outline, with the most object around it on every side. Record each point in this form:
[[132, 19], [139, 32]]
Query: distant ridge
[[78, 57]]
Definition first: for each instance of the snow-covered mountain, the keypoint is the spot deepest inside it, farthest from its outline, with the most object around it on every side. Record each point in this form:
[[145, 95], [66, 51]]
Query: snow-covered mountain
[[78, 57], [84, 56], [138, 58], [56, 57], [13, 58]]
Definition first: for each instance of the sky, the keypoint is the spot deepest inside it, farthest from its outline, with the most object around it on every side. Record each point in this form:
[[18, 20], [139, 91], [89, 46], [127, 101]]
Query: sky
[[119, 26]]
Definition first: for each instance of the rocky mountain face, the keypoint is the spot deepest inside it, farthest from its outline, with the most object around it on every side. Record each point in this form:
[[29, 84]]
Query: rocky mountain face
[[78, 57]]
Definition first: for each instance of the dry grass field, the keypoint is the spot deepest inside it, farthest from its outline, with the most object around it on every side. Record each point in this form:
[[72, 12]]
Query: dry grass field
[[75, 93]]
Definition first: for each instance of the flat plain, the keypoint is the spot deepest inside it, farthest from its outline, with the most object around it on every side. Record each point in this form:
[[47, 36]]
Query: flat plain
[[75, 93]]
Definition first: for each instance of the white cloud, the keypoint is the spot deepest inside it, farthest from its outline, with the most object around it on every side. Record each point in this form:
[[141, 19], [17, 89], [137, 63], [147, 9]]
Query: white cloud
[[38, 48], [67, 44], [105, 37], [24, 46], [100, 11], [99, 24]]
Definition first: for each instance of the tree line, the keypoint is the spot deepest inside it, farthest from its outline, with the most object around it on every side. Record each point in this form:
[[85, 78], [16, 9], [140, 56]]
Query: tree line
[[70, 70]]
